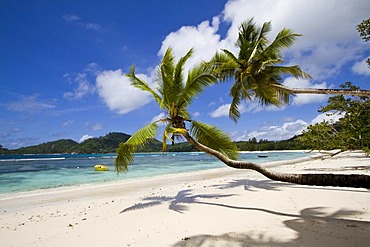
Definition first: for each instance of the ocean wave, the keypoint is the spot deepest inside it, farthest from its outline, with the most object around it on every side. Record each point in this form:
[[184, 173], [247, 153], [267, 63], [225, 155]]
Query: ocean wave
[[31, 159]]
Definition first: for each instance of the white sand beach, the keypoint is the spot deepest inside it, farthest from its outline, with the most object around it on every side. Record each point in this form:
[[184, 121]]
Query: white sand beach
[[222, 207]]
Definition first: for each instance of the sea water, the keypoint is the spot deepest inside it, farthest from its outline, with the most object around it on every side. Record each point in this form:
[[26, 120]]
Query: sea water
[[19, 173]]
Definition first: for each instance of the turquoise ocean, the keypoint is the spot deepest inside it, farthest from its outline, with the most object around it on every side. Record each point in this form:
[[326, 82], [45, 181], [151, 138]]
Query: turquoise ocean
[[20, 173]]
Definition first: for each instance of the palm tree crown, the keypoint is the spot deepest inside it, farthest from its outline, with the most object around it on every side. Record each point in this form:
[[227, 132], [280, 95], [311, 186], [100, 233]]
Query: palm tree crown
[[174, 94], [257, 68]]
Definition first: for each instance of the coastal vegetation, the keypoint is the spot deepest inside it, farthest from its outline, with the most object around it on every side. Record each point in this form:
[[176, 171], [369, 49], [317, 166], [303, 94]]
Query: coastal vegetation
[[109, 143], [350, 132], [257, 75]]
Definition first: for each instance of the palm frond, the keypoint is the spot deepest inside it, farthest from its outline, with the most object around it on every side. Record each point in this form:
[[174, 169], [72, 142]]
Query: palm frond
[[198, 79], [214, 138], [284, 39], [294, 70], [223, 66], [165, 78], [140, 84], [125, 151]]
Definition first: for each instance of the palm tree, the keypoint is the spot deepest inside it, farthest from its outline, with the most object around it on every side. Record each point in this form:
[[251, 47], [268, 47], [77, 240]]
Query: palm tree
[[174, 95], [257, 70]]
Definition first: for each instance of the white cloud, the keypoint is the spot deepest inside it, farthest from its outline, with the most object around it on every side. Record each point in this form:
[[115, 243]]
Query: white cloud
[[247, 106], [83, 86], [115, 89], [274, 132], [287, 130], [319, 52], [84, 138], [77, 20], [196, 114], [96, 127], [328, 117], [361, 68], [158, 117], [30, 104], [67, 123], [203, 38], [221, 111], [302, 99]]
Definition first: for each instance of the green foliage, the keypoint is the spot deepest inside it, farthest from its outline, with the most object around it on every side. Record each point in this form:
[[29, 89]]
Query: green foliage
[[265, 145], [126, 150], [364, 29], [174, 93], [105, 144], [214, 138], [257, 68], [350, 132], [60, 146]]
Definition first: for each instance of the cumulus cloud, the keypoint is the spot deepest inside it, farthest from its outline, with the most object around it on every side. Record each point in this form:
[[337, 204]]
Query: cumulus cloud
[[221, 111], [287, 130], [274, 132], [203, 38], [84, 138], [115, 89], [331, 117], [361, 68], [319, 52]]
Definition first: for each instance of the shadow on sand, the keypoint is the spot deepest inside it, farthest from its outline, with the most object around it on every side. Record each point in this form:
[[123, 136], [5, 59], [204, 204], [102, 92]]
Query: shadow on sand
[[313, 226]]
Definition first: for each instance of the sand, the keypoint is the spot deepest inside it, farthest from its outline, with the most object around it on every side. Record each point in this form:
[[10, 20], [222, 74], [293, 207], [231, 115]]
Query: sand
[[222, 207]]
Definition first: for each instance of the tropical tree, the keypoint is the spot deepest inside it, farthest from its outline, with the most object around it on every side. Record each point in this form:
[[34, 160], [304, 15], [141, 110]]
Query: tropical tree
[[257, 70], [351, 132], [364, 29], [174, 94]]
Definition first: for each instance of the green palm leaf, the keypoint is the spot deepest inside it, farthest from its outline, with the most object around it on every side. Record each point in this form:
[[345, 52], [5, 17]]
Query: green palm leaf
[[140, 84], [198, 78], [214, 138], [125, 151]]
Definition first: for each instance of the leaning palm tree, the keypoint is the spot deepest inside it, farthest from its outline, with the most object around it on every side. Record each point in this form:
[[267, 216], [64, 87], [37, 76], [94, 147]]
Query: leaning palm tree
[[174, 94], [257, 70]]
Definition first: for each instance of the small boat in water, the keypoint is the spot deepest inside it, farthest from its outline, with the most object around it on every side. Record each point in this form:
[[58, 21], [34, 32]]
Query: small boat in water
[[262, 156], [101, 167]]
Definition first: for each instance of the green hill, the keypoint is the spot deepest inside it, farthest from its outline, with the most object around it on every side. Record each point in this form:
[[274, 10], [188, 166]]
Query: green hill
[[110, 142]]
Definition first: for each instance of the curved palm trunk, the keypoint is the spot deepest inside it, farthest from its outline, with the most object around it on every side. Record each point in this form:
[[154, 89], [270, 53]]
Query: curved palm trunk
[[340, 180], [323, 91]]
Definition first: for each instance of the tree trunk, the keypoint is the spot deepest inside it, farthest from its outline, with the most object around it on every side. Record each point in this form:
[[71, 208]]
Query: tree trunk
[[323, 91], [339, 180]]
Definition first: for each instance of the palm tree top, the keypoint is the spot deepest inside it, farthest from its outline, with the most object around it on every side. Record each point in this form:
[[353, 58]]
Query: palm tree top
[[174, 93], [258, 69]]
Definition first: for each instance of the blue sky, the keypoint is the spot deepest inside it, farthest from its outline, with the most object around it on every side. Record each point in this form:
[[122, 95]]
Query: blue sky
[[62, 63]]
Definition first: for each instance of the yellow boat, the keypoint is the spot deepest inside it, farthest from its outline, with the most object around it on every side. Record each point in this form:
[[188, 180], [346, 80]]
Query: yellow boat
[[100, 167]]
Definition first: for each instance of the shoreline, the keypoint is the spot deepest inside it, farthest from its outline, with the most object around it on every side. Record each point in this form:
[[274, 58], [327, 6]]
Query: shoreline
[[38, 192], [217, 207], [128, 178]]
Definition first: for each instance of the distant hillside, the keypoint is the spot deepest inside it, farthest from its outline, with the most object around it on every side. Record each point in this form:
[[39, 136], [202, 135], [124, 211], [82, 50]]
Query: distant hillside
[[109, 144], [60, 146], [105, 144]]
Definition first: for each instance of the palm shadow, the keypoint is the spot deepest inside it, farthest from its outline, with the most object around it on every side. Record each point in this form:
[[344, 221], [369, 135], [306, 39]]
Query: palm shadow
[[256, 185], [178, 203], [253, 185], [313, 227]]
